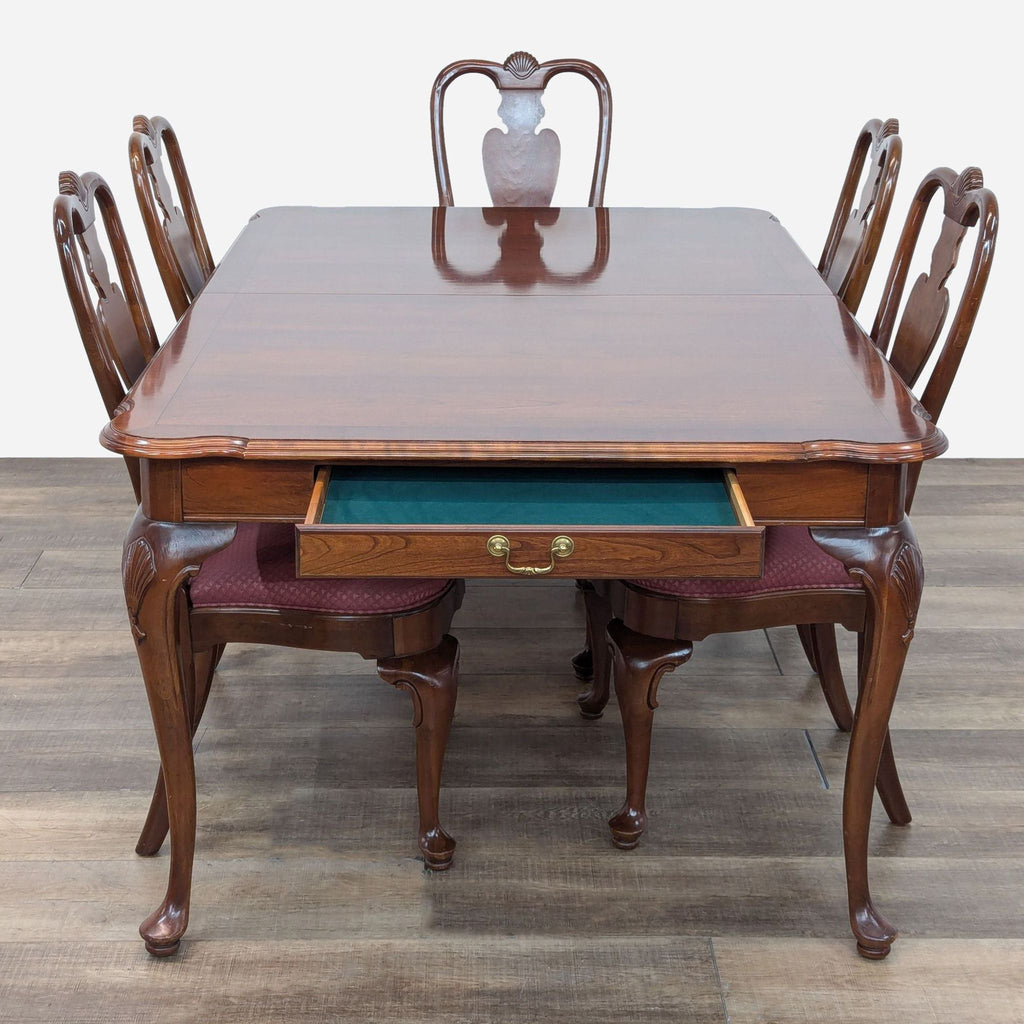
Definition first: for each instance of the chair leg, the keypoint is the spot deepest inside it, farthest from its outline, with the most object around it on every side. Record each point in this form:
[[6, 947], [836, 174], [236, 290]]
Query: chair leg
[[154, 831], [583, 663], [216, 654], [432, 680], [887, 782], [592, 702], [889, 787], [807, 642], [822, 640], [640, 662]]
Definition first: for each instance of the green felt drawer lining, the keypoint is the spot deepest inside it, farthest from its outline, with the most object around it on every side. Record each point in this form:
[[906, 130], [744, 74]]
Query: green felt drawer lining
[[527, 497]]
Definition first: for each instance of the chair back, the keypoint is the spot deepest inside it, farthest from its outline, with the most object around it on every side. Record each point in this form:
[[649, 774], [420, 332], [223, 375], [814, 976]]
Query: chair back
[[910, 340], [856, 231], [521, 165], [175, 235], [111, 312]]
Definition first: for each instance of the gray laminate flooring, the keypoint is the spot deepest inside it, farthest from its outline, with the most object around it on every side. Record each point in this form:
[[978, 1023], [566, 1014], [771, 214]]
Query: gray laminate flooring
[[310, 905]]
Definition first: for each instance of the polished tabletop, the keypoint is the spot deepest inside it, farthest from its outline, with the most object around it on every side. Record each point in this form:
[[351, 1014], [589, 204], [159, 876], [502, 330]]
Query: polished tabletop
[[461, 333]]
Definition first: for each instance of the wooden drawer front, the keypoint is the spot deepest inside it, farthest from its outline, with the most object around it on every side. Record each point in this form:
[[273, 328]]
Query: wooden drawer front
[[438, 522]]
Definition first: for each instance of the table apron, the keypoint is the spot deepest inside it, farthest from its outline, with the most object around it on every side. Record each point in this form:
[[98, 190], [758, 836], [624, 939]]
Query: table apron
[[821, 493]]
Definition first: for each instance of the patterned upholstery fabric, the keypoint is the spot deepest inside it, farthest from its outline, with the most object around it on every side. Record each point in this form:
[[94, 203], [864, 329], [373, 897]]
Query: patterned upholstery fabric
[[792, 561], [257, 570]]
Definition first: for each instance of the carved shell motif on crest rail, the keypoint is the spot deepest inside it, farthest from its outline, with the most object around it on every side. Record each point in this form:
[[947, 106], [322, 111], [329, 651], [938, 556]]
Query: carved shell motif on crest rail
[[521, 64], [890, 126], [70, 184], [969, 179]]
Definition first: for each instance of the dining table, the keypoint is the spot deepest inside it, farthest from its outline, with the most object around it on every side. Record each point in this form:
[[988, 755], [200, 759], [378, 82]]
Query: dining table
[[569, 392]]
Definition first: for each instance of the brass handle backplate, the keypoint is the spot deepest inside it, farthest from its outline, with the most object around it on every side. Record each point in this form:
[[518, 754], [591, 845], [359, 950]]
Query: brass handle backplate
[[561, 547]]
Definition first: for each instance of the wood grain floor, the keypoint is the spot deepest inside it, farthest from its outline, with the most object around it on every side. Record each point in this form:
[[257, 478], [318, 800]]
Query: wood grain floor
[[309, 904]]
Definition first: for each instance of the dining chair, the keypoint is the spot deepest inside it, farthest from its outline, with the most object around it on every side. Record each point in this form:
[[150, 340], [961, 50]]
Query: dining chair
[[846, 262], [857, 225], [247, 592], [650, 623], [521, 165], [176, 235]]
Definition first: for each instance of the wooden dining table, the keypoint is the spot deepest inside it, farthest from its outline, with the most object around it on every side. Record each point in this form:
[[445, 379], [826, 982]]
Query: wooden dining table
[[428, 393]]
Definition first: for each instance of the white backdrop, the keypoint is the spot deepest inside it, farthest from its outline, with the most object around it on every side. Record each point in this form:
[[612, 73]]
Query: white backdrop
[[738, 104]]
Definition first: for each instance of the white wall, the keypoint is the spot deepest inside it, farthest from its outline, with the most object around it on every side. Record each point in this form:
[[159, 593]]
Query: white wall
[[741, 104]]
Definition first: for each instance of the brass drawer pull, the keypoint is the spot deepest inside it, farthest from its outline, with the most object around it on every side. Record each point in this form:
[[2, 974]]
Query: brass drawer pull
[[561, 547]]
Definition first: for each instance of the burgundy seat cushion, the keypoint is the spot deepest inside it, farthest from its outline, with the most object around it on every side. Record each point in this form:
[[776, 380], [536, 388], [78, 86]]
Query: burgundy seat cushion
[[257, 570], [792, 561]]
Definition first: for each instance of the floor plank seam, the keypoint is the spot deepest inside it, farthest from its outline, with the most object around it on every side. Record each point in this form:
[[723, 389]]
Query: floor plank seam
[[24, 579], [771, 647], [718, 980], [817, 761]]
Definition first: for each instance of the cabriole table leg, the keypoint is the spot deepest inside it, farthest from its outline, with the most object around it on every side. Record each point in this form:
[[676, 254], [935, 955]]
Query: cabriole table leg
[[888, 562], [158, 559]]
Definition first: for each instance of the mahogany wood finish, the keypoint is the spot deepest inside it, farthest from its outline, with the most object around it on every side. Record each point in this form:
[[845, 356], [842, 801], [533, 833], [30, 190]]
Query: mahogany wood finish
[[910, 343], [198, 678], [910, 340], [158, 559], [426, 552], [179, 646], [431, 679], [819, 644], [333, 336], [640, 663], [888, 562], [317, 309], [521, 165], [112, 316], [856, 231], [176, 235], [885, 559], [591, 665]]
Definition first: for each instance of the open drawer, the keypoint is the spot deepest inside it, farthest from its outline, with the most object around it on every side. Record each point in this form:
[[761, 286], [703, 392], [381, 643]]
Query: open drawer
[[586, 523]]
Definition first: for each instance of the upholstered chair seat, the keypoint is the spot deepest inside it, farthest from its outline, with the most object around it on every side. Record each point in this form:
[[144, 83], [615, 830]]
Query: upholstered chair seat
[[257, 570], [792, 561]]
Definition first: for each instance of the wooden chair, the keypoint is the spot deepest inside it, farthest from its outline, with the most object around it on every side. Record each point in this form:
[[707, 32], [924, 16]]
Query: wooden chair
[[521, 166], [846, 262], [247, 592], [650, 624], [856, 231], [175, 235]]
